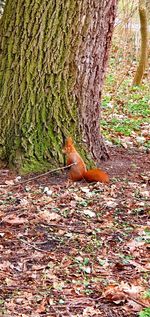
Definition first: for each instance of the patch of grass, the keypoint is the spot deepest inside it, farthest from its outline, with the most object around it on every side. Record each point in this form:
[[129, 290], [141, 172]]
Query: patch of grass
[[147, 294], [145, 312], [124, 126], [126, 110], [139, 107]]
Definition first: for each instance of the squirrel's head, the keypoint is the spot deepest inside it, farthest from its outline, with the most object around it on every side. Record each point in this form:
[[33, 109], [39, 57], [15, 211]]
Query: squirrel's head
[[68, 145]]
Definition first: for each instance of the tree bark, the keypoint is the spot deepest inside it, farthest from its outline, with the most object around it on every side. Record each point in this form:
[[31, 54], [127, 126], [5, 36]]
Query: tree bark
[[53, 56], [148, 9]]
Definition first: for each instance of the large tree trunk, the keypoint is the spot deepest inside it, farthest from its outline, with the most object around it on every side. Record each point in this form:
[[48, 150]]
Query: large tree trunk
[[53, 57]]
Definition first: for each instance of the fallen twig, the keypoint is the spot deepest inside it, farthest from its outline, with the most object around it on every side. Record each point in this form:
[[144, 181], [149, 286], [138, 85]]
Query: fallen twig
[[137, 301], [46, 173], [32, 246]]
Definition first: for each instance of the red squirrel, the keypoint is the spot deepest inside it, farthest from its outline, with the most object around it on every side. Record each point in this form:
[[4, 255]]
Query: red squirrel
[[78, 171]]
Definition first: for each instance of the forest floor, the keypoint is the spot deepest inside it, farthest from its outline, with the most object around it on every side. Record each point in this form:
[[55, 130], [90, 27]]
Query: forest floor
[[77, 249]]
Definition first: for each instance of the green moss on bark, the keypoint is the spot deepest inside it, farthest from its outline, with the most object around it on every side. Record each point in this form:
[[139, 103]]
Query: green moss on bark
[[37, 107]]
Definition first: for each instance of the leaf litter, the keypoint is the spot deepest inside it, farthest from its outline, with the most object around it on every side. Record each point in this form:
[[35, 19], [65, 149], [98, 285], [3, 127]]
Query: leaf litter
[[81, 250]]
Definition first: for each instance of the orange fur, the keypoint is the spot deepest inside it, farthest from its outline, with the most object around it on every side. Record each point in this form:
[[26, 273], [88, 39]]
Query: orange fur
[[79, 171], [96, 175], [76, 171]]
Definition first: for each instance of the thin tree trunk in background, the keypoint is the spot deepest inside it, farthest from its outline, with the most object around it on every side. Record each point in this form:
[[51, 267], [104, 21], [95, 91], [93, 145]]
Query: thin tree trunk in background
[[144, 43], [148, 10], [148, 20], [53, 56]]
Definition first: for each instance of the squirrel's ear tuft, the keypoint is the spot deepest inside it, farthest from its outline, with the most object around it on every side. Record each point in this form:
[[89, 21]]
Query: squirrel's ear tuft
[[69, 140], [68, 145]]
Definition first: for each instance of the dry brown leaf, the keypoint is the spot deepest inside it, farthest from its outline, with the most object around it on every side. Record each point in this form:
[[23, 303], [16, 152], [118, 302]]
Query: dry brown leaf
[[132, 305], [58, 285], [132, 290], [14, 220], [114, 294], [133, 244], [1, 213], [50, 275], [38, 267], [42, 307], [9, 182], [111, 203], [5, 265], [49, 216], [9, 281], [66, 262], [90, 311]]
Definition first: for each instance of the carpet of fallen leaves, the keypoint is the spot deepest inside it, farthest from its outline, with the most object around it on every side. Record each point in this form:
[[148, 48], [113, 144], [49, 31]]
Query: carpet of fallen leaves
[[76, 249]]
